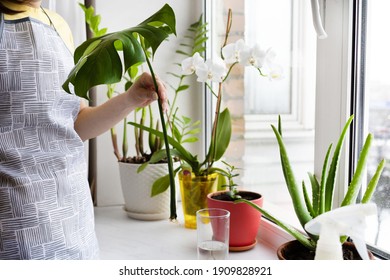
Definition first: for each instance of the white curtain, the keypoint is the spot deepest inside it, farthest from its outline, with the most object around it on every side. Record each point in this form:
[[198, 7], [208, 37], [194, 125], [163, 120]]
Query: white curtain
[[72, 13]]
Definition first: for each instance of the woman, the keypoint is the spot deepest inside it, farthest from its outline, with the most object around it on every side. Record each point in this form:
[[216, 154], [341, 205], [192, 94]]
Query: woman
[[46, 210]]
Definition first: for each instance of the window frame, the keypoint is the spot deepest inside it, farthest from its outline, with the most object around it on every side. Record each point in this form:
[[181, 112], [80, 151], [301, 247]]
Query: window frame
[[299, 122]]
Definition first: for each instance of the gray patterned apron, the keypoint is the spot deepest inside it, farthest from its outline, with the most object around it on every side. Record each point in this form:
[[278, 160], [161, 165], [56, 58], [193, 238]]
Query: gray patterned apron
[[46, 210]]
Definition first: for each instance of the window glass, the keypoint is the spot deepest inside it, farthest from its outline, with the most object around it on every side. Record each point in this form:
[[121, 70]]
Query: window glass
[[263, 96], [255, 103], [377, 112]]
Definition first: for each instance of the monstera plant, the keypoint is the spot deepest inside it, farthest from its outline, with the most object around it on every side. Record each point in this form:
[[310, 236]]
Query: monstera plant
[[104, 60]]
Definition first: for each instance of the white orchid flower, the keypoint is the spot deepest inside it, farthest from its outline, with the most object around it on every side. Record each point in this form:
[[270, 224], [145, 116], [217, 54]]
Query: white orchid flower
[[232, 52], [190, 64], [253, 57], [275, 71], [212, 70]]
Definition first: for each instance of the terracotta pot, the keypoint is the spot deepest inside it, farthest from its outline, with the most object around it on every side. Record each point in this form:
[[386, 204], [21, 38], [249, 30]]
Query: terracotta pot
[[294, 250], [194, 191], [244, 220]]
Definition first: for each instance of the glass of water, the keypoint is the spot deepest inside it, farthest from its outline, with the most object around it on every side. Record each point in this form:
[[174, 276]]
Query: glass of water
[[213, 233]]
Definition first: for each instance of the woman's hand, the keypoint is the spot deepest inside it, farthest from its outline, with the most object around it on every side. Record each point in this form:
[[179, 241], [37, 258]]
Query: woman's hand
[[93, 121], [143, 92]]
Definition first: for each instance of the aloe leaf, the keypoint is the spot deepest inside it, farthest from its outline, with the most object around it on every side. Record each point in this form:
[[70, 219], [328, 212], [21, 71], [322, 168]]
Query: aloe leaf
[[97, 59], [373, 182], [321, 202], [297, 200], [331, 178], [315, 187], [302, 238], [354, 186], [306, 197]]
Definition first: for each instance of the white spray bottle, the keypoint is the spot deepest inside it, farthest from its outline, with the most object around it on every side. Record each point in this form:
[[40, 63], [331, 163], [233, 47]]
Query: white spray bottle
[[330, 226]]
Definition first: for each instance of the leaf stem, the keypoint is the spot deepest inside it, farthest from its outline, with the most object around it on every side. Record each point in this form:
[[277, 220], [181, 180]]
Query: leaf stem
[[173, 213]]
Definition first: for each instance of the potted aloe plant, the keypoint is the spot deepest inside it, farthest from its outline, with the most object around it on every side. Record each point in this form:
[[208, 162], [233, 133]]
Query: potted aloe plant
[[306, 208], [138, 44], [197, 177]]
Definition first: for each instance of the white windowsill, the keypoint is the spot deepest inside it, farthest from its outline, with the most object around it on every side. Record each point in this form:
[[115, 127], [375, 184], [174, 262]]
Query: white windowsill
[[121, 237]]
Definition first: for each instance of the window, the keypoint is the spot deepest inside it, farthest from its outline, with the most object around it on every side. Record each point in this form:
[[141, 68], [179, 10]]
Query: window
[[376, 108], [347, 71]]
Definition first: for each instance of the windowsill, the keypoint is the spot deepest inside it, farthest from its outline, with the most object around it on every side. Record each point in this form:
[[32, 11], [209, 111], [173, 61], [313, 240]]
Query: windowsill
[[121, 237]]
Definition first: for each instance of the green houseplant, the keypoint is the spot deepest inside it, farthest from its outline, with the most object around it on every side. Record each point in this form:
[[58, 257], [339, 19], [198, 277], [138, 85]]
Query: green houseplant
[[323, 189], [137, 44], [135, 185], [140, 201], [198, 175]]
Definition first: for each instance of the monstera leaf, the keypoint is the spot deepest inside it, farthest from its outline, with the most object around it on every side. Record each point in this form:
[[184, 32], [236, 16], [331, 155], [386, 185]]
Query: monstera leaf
[[97, 60]]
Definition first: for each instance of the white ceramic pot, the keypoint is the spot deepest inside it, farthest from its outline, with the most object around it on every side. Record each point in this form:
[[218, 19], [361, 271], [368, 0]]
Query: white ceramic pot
[[137, 187]]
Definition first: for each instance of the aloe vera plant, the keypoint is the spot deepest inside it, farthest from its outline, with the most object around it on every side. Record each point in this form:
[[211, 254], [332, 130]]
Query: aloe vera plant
[[307, 208], [98, 61]]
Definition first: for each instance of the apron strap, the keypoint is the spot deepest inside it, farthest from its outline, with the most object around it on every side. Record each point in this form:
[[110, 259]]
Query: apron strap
[[1, 24]]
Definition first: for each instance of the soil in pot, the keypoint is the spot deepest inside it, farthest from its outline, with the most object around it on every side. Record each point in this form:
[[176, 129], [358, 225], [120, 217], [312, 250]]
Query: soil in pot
[[294, 250], [245, 195]]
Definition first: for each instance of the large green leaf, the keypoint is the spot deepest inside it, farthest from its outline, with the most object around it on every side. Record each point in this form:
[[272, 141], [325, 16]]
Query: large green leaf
[[98, 61], [355, 185], [332, 173], [302, 238], [289, 176], [224, 132]]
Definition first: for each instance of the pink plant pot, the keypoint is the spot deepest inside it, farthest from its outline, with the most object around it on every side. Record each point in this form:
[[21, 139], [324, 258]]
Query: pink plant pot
[[244, 220]]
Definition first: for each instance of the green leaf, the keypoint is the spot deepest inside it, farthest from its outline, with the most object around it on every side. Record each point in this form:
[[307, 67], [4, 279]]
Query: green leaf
[[316, 189], [183, 87], [354, 186], [373, 182], [308, 203], [292, 185], [190, 140], [302, 238], [321, 202], [160, 185], [331, 178], [183, 53], [180, 150], [142, 167], [223, 134], [101, 63]]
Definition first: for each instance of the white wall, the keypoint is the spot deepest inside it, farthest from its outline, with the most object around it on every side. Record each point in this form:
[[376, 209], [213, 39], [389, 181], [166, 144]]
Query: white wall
[[121, 14]]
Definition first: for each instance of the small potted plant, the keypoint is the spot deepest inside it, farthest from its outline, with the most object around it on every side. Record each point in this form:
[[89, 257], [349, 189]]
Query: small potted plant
[[306, 208], [244, 220]]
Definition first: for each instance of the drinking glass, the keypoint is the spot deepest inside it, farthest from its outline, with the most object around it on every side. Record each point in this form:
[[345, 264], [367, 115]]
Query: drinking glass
[[213, 233]]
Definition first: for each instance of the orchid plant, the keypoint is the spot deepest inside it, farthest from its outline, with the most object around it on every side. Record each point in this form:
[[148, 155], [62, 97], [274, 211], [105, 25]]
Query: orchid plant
[[216, 71]]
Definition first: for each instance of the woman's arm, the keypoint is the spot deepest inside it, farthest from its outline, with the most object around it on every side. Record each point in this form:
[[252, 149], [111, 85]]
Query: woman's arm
[[93, 121]]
